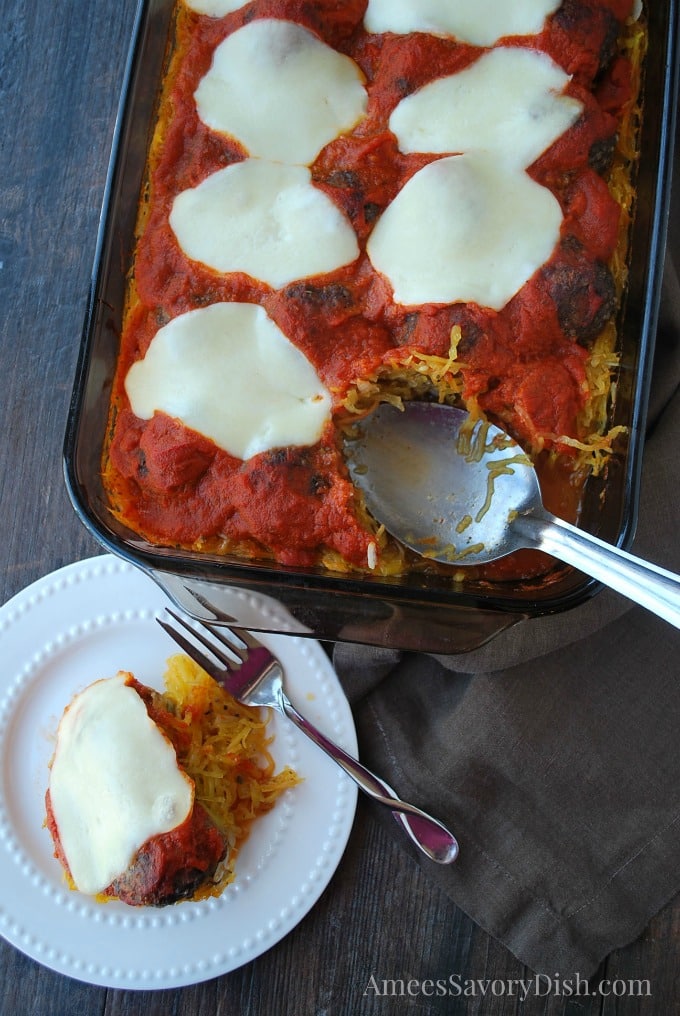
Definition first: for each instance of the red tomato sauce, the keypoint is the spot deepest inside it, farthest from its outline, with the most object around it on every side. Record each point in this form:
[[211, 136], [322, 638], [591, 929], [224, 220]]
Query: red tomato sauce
[[525, 365], [168, 866]]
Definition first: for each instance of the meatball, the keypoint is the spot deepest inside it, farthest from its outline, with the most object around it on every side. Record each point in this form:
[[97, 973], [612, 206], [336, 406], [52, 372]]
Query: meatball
[[584, 295], [172, 866]]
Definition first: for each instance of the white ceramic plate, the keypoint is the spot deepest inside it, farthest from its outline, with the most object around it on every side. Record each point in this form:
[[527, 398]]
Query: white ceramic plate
[[87, 621]]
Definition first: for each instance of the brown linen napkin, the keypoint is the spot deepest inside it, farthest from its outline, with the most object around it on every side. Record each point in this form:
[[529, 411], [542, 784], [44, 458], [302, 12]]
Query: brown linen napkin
[[552, 752]]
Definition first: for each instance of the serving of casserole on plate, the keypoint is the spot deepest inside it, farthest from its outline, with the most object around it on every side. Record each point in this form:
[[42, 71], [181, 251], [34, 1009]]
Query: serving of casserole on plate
[[57, 633], [322, 206]]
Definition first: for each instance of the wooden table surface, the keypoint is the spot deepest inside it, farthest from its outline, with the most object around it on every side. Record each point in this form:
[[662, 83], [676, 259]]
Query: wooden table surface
[[61, 67]]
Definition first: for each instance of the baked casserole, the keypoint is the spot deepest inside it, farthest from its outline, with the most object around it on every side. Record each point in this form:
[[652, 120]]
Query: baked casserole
[[349, 202]]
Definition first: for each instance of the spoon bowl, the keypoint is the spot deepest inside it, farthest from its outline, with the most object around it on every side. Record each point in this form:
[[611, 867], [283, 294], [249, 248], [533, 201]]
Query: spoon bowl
[[444, 485], [462, 491]]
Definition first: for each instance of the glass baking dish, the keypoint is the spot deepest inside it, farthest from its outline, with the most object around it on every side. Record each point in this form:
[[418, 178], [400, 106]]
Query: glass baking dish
[[419, 612]]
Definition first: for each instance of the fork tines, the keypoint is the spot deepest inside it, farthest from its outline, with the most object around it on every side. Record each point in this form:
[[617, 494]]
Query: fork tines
[[238, 652]]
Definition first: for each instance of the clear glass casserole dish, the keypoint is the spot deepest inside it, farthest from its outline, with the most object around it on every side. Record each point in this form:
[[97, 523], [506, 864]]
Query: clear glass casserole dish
[[425, 611]]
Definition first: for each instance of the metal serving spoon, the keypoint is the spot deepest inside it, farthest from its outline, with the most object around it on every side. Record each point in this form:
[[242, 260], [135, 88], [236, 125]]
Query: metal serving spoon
[[467, 494]]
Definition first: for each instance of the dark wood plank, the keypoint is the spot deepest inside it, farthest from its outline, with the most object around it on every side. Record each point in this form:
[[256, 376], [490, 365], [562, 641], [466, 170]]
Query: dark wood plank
[[32, 990], [60, 78]]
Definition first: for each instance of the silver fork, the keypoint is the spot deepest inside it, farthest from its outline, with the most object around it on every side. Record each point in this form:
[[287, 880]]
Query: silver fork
[[255, 678]]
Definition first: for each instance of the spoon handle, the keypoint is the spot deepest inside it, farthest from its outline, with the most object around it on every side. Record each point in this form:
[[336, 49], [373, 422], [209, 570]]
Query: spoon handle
[[652, 587]]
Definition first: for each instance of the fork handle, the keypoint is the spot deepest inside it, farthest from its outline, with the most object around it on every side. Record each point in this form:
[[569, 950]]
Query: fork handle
[[427, 833]]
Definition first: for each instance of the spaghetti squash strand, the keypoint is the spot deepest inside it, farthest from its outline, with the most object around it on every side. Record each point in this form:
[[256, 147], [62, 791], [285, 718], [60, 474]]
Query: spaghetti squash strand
[[224, 747]]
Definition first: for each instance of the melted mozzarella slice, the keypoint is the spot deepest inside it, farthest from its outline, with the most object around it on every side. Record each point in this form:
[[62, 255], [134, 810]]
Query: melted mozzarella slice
[[265, 219], [280, 91], [228, 372], [465, 229], [508, 101], [114, 783], [482, 22], [215, 8]]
